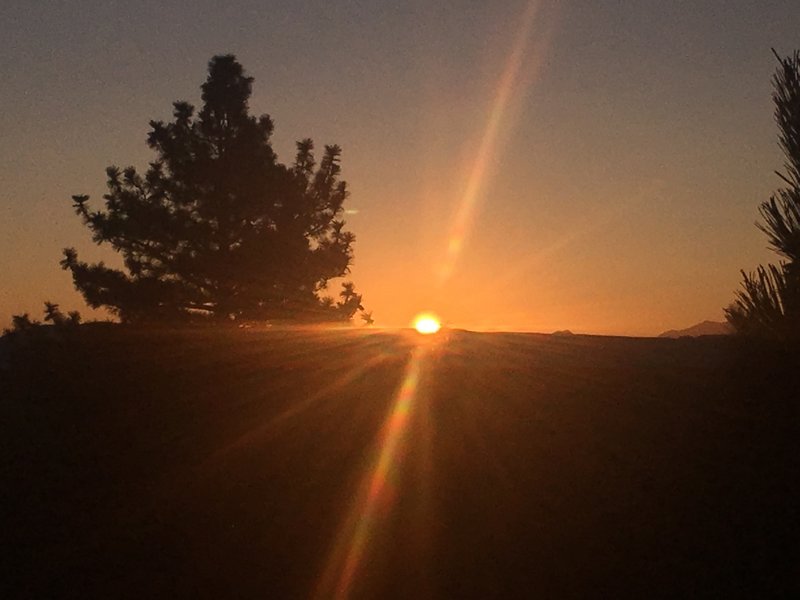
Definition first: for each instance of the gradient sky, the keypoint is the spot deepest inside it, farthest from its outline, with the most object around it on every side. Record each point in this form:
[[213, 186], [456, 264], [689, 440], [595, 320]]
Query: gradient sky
[[595, 166]]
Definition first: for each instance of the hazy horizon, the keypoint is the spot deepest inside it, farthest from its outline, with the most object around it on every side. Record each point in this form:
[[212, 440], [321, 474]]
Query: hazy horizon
[[524, 167]]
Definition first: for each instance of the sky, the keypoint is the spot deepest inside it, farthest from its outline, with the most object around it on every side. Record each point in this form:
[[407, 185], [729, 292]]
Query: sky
[[516, 165]]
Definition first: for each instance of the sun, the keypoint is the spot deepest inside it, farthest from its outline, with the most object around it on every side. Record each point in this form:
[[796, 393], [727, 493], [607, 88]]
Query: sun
[[427, 323]]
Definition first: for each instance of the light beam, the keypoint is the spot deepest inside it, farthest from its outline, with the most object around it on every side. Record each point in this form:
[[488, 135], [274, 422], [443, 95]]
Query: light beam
[[507, 86], [376, 489]]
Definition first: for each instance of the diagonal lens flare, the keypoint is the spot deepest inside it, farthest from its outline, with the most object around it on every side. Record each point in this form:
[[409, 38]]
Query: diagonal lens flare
[[376, 489], [262, 430], [506, 88]]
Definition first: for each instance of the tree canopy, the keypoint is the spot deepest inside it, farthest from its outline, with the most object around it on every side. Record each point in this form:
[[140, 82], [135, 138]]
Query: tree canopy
[[768, 305], [217, 226]]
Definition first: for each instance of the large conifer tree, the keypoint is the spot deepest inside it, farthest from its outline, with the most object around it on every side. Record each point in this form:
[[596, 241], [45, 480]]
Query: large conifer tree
[[768, 306], [217, 226]]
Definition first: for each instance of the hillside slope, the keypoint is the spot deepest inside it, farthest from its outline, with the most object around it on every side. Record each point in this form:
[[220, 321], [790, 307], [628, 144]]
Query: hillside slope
[[274, 464], [704, 328]]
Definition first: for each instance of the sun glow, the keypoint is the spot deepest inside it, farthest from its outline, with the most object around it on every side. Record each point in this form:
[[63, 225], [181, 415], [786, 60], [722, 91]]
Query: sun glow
[[427, 323]]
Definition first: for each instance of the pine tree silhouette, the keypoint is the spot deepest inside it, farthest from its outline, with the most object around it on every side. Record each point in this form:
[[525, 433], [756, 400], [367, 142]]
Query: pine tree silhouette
[[217, 226], [768, 305]]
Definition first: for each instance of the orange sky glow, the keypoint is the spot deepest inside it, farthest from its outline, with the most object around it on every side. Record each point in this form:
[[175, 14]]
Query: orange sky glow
[[531, 167]]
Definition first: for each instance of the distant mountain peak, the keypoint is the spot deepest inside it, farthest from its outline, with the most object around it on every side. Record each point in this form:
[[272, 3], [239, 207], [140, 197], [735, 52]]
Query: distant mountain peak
[[703, 328]]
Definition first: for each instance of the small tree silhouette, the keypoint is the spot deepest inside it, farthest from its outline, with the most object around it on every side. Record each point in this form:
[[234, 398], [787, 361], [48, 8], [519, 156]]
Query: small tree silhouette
[[23, 322], [350, 301], [53, 314], [217, 226], [768, 305]]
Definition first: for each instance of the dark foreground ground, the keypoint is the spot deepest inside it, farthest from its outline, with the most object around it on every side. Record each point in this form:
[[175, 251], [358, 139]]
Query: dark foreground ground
[[280, 465]]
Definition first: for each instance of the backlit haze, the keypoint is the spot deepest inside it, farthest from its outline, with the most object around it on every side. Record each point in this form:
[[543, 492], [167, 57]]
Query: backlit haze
[[512, 165]]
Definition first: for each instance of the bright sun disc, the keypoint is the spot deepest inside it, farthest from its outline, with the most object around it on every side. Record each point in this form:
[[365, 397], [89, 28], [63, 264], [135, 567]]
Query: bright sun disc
[[427, 324]]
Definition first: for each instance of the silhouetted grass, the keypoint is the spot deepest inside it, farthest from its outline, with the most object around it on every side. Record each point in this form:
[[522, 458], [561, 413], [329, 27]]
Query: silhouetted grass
[[218, 463]]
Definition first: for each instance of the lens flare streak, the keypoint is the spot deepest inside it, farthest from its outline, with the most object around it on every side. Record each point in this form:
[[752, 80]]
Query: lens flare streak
[[263, 429], [506, 89], [377, 489]]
